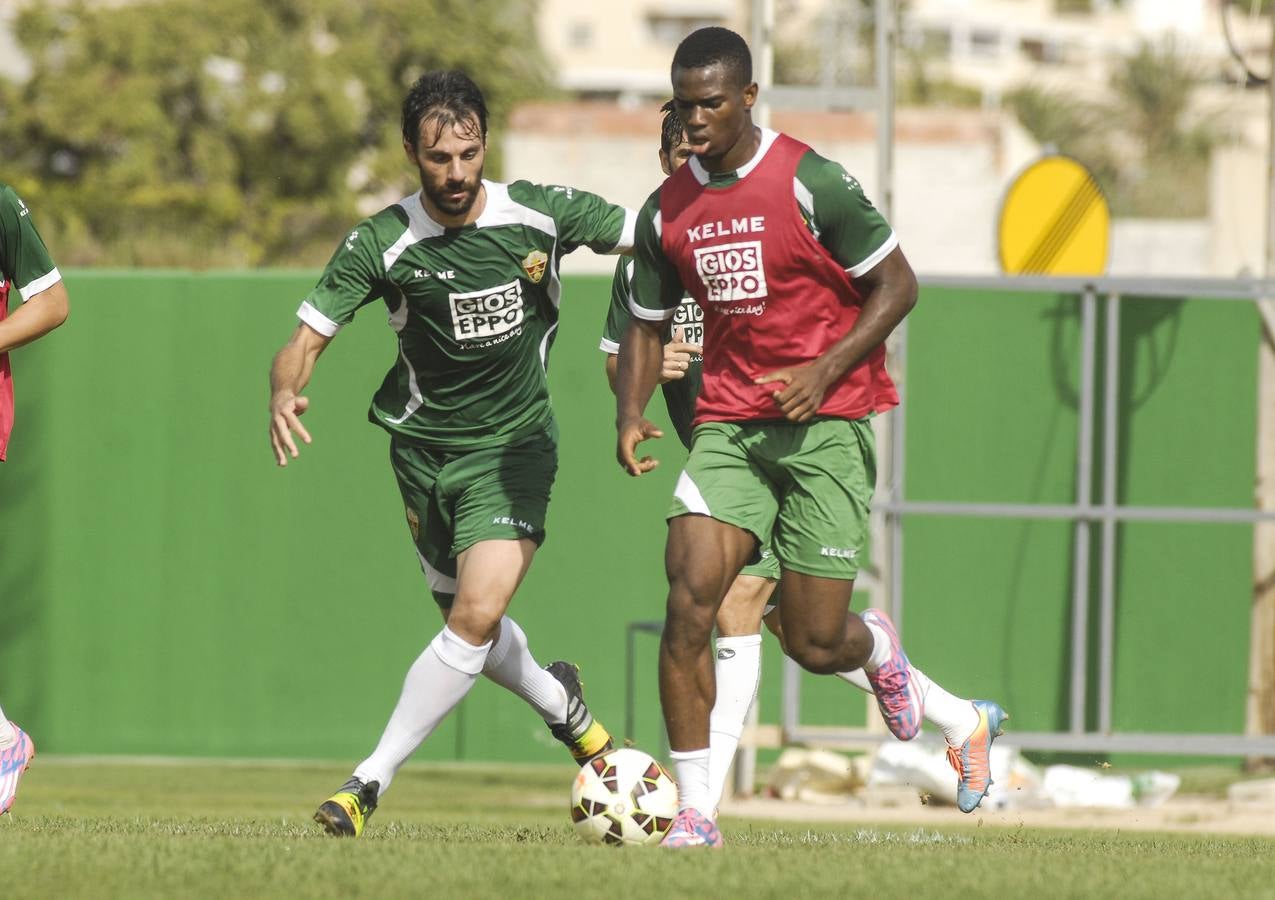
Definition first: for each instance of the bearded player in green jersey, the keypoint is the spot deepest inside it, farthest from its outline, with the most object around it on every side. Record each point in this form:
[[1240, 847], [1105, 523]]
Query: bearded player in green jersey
[[752, 597], [25, 265], [468, 269]]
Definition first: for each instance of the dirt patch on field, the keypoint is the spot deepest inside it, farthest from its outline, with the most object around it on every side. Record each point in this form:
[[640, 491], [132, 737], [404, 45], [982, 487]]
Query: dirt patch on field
[[1203, 815]]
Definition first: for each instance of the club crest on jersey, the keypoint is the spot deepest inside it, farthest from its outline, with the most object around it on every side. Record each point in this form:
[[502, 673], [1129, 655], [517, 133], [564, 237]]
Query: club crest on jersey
[[487, 317], [731, 272], [534, 265], [414, 523]]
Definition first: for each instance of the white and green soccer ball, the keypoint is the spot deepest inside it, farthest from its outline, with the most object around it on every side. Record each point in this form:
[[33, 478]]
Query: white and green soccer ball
[[623, 797]]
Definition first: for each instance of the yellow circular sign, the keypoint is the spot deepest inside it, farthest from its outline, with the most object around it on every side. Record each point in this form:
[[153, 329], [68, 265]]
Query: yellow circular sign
[[1054, 221]]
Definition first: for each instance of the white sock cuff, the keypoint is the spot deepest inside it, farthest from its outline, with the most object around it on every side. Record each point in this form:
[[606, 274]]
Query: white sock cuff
[[739, 641], [685, 755], [458, 653]]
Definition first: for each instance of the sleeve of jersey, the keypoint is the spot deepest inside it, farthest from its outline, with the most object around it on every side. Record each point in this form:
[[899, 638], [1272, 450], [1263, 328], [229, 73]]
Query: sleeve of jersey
[[24, 258], [657, 287], [585, 219], [618, 311], [842, 217], [352, 278]]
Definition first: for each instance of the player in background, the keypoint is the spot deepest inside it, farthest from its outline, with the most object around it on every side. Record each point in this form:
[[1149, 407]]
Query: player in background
[[800, 281], [25, 264], [468, 269], [751, 597]]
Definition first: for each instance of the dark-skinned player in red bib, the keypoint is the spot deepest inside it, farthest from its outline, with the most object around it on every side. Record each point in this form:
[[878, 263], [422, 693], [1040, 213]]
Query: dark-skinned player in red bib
[[800, 281]]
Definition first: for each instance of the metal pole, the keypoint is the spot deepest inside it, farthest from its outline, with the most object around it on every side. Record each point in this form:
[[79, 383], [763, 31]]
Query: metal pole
[[763, 34], [1084, 497], [884, 33], [1107, 597], [790, 713], [885, 45]]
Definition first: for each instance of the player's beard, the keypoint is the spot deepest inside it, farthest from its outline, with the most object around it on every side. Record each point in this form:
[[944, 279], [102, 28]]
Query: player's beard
[[442, 197]]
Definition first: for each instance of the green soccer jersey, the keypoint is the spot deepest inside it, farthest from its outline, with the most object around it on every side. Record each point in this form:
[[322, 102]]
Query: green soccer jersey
[[680, 394], [831, 202], [24, 260], [475, 309]]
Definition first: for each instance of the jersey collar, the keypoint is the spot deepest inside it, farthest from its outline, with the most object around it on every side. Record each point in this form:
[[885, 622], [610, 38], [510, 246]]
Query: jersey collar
[[767, 139]]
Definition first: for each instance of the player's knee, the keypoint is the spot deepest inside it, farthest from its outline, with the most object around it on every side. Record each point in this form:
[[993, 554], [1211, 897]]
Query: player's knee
[[812, 655]]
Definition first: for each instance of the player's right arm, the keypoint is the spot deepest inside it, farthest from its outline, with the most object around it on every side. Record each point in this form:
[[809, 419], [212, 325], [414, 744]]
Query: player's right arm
[[657, 291], [677, 352], [289, 374], [353, 277]]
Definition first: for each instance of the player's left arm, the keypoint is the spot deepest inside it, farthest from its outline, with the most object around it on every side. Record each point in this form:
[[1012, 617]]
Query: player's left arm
[[25, 261], [856, 235], [585, 219], [35, 318]]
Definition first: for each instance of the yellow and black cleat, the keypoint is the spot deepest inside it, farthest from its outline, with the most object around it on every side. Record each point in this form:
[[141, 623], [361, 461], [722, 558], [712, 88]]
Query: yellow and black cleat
[[582, 734], [346, 812]]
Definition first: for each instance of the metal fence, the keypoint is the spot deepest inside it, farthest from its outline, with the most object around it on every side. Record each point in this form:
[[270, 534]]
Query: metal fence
[[1083, 513]]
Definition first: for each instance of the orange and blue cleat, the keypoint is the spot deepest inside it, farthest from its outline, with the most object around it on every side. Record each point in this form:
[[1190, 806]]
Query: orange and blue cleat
[[972, 760]]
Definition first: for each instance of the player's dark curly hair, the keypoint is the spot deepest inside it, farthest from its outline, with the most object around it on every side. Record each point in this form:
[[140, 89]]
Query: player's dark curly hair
[[447, 97], [671, 132], [710, 46]]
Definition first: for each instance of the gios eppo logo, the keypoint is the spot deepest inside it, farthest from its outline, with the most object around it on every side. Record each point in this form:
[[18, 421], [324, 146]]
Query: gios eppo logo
[[731, 272], [483, 316]]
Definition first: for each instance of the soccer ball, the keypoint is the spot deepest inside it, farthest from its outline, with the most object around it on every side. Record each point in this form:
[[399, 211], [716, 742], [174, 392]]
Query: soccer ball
[[623, 797]]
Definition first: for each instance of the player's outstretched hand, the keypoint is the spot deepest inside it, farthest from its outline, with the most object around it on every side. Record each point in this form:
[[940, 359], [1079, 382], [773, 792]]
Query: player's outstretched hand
[[629, 434], [802, 391], [285, 411], [677, 356]]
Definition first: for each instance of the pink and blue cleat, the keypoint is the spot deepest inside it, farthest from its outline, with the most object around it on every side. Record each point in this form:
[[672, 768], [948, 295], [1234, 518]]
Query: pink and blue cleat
[[14, 760], [972, 760], [898, 695], [692, 828]]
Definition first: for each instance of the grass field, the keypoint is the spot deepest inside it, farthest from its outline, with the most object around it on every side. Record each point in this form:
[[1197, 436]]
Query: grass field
[[219, 830]]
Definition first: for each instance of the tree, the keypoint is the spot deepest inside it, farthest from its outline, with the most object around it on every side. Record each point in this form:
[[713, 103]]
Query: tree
[[1142, 144], [235, 132]]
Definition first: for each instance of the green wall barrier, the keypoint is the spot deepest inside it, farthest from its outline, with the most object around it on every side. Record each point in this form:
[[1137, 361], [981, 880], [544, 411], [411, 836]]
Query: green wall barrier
[[168, 590]]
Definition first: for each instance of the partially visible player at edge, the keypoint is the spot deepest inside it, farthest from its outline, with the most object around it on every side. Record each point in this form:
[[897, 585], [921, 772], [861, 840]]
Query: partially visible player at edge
[[800, 281], [751, 596], [468, 269], [25, 264]]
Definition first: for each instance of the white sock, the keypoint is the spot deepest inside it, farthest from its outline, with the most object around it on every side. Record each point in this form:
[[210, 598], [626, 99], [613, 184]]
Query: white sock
[[738, 670], [8, 734], [438, 680], [691, 769], [511, 665], [880, 648], [955, 716]]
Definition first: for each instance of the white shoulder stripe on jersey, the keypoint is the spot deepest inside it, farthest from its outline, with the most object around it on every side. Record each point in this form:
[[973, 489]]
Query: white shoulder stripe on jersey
[[879, 254], [43, 283], [609, 347], [805, 198], [627, 233], [650, 315], [658, 221], [419, 227], [503, 210], [317, 320]]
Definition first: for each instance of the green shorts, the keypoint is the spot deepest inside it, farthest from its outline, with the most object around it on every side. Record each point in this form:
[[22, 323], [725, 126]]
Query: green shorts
[[766, 567], [455, 499], [804, 488]]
